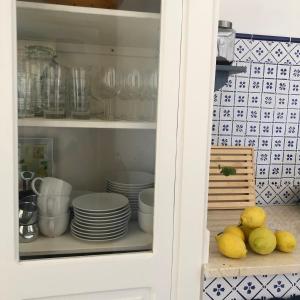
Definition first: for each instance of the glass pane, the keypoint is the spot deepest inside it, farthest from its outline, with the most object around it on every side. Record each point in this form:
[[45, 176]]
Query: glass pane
[[87, 101]]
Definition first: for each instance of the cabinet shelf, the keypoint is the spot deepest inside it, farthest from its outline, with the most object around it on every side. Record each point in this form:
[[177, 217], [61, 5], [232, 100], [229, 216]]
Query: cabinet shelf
[[279, 217], [135, 240], [223, 72], [84, 25], [91, 123]]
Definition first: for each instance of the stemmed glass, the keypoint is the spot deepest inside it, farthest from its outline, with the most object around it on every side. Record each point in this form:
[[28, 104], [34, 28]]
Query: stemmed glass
[[150, 95], [108, 90], [133, 86]]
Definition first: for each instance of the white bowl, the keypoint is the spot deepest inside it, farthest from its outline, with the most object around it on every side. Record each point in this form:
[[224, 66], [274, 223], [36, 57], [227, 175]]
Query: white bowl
[[146, 201], [145, 221]]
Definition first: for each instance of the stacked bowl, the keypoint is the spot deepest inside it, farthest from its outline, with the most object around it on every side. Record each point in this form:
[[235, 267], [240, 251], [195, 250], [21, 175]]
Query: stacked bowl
[[100, 217], [146, 210], [130, 184]]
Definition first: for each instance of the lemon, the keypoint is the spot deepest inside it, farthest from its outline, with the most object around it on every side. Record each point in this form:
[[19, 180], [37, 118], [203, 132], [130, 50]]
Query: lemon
[[253, 217], [262, 240], [246, 230], [286, 241], [231, 245], [236, 230]]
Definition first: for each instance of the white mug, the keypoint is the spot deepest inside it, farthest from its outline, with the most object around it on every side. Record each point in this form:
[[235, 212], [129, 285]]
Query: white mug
[[53, 205], [51, 186], [54, 226]]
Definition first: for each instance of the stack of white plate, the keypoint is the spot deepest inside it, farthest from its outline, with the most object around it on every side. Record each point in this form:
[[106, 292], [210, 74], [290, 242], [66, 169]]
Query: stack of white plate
[[130, 184], [100, 217]]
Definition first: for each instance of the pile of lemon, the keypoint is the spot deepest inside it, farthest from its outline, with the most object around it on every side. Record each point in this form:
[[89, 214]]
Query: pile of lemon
[[252, 231]]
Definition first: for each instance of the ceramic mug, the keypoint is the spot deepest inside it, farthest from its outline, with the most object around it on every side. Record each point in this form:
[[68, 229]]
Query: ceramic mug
[[51, 186], [53, 205], [54, 226]]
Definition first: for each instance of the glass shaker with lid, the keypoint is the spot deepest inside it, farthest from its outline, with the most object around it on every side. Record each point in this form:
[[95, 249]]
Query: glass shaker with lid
[[225, 43]]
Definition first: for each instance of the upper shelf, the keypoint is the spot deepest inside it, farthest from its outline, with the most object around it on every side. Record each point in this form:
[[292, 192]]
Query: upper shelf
[[84, 25], [91, 123]]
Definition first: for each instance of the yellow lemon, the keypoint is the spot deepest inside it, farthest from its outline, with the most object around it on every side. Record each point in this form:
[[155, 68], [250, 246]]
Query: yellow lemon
[[262, 240], [246, 230], [231, 245], [253, 217], [236, 230], [286, 241]]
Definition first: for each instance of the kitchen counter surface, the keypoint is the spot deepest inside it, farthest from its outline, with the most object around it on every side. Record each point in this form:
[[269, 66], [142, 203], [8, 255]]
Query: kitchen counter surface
[[278, 217]]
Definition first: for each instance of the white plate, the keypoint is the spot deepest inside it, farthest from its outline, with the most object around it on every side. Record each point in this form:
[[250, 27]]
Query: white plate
[[100, 202], [101, 218], [83, 238], [99, 235], [101, 226], [132, 177], [101, 221], [132, 189], [97, 230], [101, 213]]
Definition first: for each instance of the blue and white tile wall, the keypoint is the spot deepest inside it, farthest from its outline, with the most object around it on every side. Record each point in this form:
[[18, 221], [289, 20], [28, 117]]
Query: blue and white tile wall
[[252, 287], [261, 108]]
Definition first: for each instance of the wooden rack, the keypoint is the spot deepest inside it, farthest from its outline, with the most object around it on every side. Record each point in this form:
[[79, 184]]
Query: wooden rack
[[233, 191]]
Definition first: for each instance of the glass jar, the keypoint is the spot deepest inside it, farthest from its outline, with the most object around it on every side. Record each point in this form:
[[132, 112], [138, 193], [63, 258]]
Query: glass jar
[[225, 43]]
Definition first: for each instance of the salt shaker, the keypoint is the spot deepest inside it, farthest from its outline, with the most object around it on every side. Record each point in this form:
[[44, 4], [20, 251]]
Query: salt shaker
[[225, 43]]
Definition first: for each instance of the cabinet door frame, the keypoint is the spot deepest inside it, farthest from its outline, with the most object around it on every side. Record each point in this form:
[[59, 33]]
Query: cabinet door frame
[[35, 279], [191, 240]]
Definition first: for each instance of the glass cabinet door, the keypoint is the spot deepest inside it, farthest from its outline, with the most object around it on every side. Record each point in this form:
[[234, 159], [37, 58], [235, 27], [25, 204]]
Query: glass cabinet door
[[87, 80]]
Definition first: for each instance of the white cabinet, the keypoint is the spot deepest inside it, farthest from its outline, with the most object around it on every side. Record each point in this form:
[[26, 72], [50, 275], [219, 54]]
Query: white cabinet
[[162, 265]]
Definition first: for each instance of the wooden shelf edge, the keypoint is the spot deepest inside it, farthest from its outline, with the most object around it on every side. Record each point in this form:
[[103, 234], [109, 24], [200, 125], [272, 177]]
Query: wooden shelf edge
[[86, 10], [135, 240], [91, 123]]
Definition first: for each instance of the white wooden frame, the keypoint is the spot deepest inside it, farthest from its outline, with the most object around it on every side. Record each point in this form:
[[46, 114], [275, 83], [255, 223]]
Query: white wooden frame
[[91, 274], [191, 241]]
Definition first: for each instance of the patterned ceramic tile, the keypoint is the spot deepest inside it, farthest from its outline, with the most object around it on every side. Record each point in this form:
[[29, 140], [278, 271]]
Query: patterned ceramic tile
[[252, 287], [261, 108]]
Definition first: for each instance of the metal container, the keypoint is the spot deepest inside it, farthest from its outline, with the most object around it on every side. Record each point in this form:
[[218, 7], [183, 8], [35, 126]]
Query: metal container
[[225, 43], [28, 233], [28, 212]]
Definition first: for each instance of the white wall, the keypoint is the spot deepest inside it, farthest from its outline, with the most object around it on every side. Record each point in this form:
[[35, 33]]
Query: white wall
[[268, 17]]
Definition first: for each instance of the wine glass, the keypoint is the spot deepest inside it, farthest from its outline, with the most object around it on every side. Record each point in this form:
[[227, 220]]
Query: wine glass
[[108, 90]]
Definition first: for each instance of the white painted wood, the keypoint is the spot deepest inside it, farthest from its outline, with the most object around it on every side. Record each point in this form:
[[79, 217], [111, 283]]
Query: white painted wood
[[197, 85], [137, 294], [135, 240], [270, 17], [97, 273], [61, 23], [91, 123]]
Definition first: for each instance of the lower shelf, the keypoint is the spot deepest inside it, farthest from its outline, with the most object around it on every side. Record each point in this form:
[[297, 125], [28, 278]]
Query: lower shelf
[[135, 240], [279, 217]]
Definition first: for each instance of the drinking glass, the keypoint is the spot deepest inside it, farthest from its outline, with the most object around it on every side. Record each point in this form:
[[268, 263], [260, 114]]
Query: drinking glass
[[54, 90], [79, 93], [150, 95], [108, 91], [129, 94]]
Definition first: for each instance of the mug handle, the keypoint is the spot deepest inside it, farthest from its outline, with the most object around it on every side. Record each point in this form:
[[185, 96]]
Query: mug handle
[[33, 184]]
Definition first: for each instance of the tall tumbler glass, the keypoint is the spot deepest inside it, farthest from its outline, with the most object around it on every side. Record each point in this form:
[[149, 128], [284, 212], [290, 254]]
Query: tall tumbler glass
[[54, 92], [79, 93], [38, 62]]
